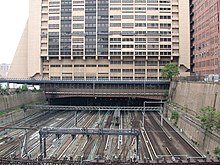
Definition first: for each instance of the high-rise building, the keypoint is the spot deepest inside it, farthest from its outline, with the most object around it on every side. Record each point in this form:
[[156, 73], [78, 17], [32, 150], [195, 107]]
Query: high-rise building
[[205, 36], [103, 39], [4, 70]]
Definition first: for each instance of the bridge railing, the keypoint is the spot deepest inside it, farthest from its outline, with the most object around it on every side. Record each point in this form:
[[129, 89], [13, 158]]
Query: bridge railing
[[44, 80]]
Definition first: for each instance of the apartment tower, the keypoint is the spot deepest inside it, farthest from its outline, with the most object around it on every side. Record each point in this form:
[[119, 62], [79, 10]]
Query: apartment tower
[[103, 39], [205, 36]]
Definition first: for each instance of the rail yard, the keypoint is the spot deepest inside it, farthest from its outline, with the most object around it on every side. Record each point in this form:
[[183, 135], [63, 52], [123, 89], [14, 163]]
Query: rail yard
[[157, 141]]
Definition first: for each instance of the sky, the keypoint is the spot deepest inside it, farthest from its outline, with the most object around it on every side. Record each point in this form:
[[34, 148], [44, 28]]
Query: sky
[[13, 17]]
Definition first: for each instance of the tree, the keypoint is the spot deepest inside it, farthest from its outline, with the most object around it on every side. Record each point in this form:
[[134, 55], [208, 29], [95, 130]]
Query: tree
[[208, 117], [217, 152], [169, 71], [217, 120], [175, 116], [24, 87]]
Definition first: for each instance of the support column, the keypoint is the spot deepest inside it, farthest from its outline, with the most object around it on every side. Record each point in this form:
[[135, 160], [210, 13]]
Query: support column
[[161, 113], [137, 138], [45, 149], [7, 85], [41, 146], [75, 119], [143, 114]]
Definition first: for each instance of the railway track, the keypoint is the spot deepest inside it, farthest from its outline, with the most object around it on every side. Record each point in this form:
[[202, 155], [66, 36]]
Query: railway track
[[181, 144], [106, 123], [155, 142], [18, 139], [74, 144], [171, 146], [167, 147]]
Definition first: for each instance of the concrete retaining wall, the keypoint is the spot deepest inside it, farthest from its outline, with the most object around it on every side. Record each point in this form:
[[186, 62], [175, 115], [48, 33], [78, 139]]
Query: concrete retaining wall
[[195, 95], [188, 98], [11, 101]]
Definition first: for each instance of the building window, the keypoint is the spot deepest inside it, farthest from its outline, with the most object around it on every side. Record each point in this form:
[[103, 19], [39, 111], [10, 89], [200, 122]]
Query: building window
[[54, 66], [54, 18], [139, 63], [115, 24], [90, 65], [53, 26], [127, 70], [165, 46], [152, 63], [139, 70], [104, 65], [67, 66], [115, 70], [115, 62], [78, 66], [67, 78], [55, 78]]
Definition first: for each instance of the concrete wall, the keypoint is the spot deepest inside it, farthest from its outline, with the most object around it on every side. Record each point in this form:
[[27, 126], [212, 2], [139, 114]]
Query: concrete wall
[[11, 101], [195, 95], [187, 99]]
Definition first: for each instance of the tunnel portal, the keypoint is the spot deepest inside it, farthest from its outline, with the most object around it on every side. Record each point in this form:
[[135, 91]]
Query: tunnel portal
[[98, 101]]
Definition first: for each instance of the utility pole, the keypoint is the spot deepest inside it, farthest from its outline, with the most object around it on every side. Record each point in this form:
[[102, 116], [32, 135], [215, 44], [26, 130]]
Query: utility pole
[[161, 113], [143, 113]]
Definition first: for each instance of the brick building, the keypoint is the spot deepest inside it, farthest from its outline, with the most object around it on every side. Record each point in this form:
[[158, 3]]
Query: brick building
[[205, 36]]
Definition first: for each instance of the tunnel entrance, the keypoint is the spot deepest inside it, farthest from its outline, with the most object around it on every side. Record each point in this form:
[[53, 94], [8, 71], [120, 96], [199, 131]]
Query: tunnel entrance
[[98, 101]]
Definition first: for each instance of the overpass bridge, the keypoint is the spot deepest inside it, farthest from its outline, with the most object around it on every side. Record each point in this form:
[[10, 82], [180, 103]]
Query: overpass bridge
[[146, 89]]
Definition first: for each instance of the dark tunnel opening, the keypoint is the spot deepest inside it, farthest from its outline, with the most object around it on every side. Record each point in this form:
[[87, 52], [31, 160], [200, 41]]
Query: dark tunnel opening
[[99, 101]]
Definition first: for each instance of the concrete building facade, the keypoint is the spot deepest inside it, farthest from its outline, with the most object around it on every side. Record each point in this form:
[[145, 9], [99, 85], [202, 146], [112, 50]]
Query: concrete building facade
[[103, 39], [205, 36], [4, 70]]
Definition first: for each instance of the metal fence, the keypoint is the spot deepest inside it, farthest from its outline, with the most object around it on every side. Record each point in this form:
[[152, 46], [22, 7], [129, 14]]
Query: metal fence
[[197, 78]]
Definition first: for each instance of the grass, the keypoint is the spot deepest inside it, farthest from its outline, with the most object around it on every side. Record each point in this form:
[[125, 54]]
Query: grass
[[16, 109], [2, 113]]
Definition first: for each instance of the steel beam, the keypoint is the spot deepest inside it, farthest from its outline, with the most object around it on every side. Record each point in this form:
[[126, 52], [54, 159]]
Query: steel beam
[[94, 108], [88, 131], [84, 131]]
